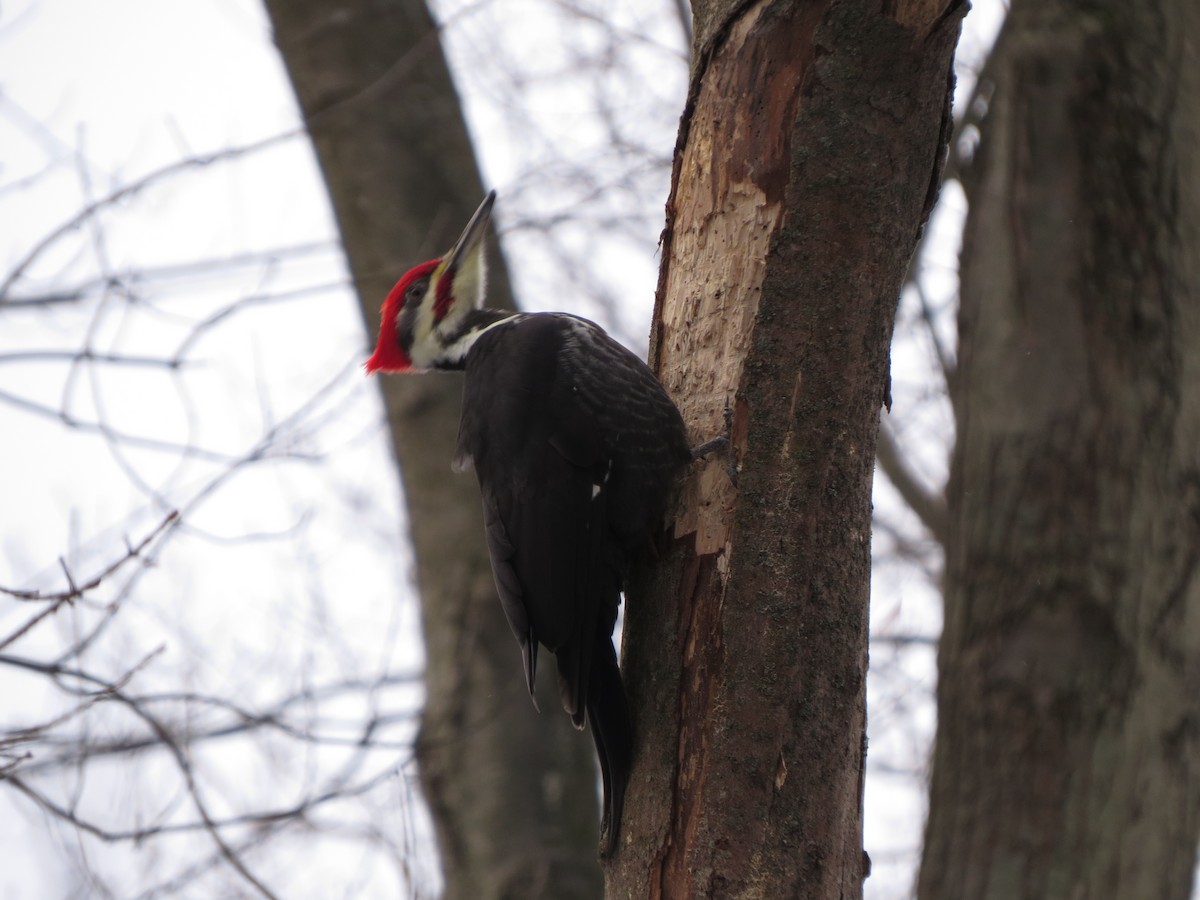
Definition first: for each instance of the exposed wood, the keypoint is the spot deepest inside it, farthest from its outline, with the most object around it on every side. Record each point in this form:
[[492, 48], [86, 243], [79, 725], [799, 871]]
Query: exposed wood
[[808, 157]]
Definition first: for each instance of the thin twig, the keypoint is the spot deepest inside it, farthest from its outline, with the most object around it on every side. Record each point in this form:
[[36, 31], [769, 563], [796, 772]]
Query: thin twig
[[73, 590], [141, 184], [929, 506]]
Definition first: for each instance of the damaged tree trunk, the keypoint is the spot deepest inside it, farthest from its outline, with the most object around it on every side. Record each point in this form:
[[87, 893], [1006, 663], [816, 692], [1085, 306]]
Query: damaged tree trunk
[[808, 159]]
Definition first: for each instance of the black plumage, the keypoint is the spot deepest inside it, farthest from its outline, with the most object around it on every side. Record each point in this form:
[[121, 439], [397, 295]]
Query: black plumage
[[576, 446]]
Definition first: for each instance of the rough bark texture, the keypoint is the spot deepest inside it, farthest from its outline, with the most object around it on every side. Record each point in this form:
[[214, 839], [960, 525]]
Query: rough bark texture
[[513, 794], [1068, 751], [808, 156]]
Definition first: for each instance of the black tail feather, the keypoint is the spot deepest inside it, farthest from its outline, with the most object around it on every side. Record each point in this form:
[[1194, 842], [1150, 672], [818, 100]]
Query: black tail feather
[[612, 730]]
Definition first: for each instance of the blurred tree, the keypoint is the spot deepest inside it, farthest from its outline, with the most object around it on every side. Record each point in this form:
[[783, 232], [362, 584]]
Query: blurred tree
[[1067, 759], [808, 159], [512, 793]]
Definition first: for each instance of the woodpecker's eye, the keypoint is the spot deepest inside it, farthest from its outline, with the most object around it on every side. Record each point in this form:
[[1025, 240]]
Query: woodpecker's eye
[[416, 291]]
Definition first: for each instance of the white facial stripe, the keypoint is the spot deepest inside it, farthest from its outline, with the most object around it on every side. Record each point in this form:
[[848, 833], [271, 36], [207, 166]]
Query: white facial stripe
[[470, 284], [424, 348], [429, 346], [457, 351]]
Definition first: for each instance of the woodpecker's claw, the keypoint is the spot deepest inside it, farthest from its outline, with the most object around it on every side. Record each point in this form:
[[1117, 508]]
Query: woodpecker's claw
[[719, 444], [722, 443]]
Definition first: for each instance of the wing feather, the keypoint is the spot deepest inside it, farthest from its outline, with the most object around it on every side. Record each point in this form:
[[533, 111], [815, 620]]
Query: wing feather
[[575, 445], [508, 586]]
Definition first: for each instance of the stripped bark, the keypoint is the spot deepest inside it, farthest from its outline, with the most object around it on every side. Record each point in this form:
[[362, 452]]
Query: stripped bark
[[808, 158]]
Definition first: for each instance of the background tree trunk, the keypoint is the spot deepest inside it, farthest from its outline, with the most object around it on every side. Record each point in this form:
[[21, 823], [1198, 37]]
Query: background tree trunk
[[808, 158], [1067, 761], [513, 794]]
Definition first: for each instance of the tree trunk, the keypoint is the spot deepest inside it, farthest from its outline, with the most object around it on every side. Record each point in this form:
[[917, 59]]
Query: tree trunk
[[513, 794], [1068, 751], [807, 161]]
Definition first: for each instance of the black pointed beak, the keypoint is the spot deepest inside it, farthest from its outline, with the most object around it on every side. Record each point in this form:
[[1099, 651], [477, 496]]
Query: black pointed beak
[[472, 235]]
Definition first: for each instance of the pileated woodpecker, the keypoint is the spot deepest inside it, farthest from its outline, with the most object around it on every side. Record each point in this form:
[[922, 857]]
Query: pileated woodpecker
[[576, 446]]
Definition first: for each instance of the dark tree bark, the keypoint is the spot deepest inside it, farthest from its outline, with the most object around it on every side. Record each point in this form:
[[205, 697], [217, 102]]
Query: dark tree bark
[[513, 794], [1067, 761], [808, 158]]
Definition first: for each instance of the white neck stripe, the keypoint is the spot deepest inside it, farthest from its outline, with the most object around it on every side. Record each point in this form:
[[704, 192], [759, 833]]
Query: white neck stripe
[[457, 351]]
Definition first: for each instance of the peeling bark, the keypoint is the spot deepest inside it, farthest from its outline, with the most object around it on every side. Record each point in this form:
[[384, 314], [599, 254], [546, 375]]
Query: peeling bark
[[1067, 761], [808, 157]]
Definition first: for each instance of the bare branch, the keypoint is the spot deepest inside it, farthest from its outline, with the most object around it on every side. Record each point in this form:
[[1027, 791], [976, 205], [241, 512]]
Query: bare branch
[[904, 640], [90, 356], [945, 356], [258, 298], [191, 271], [243, 721], [929, 506], [133, 440], [74, 591], [141, 184]]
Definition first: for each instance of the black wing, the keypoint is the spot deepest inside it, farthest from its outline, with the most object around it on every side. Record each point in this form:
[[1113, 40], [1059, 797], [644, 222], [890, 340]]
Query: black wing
[[575, 445], [540, 460]]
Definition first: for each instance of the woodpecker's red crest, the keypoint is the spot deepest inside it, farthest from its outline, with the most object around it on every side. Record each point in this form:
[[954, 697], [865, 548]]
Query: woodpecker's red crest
[[421, 316]]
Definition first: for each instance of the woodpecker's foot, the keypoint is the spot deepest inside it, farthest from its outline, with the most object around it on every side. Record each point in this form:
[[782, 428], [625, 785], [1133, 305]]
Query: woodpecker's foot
[[722, 443], [719, 444]]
